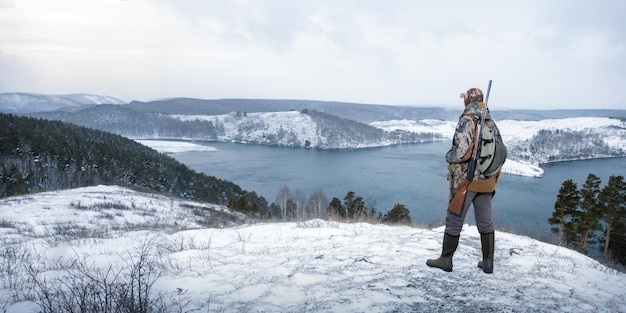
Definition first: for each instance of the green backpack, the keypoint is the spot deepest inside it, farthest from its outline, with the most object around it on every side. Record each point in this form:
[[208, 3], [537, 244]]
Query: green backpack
[[492, 151]]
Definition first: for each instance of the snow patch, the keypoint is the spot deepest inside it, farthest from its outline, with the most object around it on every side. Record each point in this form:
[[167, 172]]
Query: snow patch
[[171, 146]]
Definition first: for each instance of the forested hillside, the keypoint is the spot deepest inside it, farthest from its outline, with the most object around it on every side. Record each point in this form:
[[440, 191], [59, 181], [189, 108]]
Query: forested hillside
[[129, 123], [41, 155]]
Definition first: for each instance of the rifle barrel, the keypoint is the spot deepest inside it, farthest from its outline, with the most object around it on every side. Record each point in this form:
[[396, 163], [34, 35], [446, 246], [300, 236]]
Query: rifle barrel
[[477, 140]]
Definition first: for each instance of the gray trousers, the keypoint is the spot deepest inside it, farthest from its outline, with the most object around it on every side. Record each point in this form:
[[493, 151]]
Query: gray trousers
[[482, 212]]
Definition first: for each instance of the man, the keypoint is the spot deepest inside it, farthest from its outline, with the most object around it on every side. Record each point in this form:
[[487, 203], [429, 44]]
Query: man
[[479, 191]]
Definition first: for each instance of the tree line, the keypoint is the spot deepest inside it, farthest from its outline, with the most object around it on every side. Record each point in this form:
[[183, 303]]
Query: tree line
[[295, 205], [592, 216]]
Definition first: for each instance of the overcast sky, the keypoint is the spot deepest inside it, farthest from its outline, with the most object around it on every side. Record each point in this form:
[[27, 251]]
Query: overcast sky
[[539, 53]]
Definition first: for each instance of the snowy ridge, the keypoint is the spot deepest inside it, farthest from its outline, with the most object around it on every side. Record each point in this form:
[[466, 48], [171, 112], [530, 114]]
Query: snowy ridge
[[519, 136], [258, 127], [310, 266], [445, 128], [565, 139], [293, 129], [515, 131], [17, 102], [93, 99]]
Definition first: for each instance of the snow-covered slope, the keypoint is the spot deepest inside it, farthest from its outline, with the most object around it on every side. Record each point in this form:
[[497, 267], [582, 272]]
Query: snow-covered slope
[[17, 102], [531, 143], [309, 266], [553, 139], [445, 128], [296, 129], [259, 127]]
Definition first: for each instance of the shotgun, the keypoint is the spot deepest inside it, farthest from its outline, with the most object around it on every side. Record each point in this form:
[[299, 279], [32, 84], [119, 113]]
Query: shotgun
[[456, 203]]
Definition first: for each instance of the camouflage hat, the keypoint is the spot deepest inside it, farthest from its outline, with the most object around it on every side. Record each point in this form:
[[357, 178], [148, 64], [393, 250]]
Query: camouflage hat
[[472, 95]]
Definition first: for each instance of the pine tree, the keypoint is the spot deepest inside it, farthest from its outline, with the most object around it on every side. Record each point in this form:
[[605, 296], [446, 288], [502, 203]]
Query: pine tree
[[398, 215], [232, 205], [336, 208], [565, 209], [612, 200], [589, 220], [17, 183], [355, 206]]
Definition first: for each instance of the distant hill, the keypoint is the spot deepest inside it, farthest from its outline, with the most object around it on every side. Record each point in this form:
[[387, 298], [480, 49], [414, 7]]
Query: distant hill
[[538, 115], [18, 102], [364, 113]]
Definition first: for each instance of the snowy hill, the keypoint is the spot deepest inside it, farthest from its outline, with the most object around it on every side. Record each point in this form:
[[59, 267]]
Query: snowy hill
[[17, 102], [307, 129], [56, 245], [531, 143], [263, 128]]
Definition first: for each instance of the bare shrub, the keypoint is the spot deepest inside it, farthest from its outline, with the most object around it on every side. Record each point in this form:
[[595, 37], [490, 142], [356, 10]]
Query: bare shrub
[[75, 285], [12, 270], [63, 232], [97, 207], [7, 224], [212, 218], [143, 269], [111, 206]]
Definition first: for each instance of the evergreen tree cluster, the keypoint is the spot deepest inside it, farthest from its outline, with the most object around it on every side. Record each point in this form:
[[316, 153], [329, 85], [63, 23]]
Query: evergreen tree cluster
[[398, 215], [592, 216], [38, 155], [292, 205], [124, 121], [352, 207]]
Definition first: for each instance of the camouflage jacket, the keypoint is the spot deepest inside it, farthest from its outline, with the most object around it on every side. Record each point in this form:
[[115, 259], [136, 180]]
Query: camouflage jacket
[[460, 153]]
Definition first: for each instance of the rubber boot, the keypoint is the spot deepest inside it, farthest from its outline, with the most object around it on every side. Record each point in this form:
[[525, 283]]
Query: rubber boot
[[487, 243], [444, 262]]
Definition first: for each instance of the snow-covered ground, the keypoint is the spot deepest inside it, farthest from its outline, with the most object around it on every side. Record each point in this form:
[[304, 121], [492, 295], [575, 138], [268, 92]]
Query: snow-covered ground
[[255, 126], [170, 146], [307, 266], [514, 130], [445, 128]]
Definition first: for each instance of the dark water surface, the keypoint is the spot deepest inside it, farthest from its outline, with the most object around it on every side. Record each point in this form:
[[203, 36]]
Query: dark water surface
[[414, 175]]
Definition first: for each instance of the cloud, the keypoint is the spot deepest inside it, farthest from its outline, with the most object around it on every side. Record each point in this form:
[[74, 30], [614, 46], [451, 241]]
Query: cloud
[[400, 52]]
